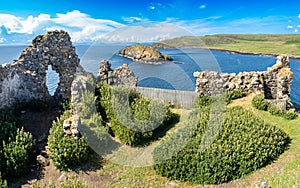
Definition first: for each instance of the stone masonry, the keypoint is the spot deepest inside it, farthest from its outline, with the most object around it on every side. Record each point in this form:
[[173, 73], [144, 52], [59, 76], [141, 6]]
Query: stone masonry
[[25, 78], [120, 76], [275, 83]]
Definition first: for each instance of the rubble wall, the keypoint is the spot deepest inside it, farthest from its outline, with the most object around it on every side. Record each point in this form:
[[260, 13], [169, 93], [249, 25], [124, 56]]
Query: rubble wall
[[275, 82], [25, 78]]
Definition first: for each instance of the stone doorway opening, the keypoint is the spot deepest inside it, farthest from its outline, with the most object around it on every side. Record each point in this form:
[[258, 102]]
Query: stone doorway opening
[[52, 80]]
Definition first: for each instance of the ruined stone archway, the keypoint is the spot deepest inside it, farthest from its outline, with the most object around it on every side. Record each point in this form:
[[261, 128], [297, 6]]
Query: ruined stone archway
[[25, 78]]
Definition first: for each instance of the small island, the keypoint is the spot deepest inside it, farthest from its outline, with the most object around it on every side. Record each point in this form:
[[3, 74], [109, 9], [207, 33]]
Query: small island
[[145, 54]]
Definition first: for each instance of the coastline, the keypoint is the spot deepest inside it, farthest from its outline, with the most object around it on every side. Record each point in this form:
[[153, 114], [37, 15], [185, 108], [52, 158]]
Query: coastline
[[253, 53], [150, 62], [239, 52]]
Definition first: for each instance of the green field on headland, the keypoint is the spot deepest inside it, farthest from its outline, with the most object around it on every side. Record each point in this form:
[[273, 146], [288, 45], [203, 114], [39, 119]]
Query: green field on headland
[[248, 43]]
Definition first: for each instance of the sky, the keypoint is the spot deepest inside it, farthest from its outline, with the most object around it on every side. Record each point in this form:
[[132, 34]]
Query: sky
[[149, 20]]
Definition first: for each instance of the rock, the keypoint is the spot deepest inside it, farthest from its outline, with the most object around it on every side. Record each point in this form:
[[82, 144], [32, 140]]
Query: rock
[[71, 125], [172, 184], [120, 76], [62, 178], [42, 160], [260, 184], [66, 124], [144, 54]]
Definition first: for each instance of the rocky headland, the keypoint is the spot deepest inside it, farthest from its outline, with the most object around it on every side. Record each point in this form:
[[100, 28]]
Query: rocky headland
[[145, 54]]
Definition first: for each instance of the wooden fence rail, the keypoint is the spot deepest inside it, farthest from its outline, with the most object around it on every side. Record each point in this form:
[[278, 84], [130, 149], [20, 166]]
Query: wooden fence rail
[[180, 99]]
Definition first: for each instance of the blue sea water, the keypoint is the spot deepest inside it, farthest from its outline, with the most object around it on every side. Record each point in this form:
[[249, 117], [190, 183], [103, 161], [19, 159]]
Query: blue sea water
[[171, 76]]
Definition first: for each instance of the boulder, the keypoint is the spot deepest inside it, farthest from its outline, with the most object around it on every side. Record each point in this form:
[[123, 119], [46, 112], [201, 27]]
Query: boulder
[[43, 161]]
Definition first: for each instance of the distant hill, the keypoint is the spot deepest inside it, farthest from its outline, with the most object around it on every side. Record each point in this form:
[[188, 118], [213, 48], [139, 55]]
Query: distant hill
[[249, 43]]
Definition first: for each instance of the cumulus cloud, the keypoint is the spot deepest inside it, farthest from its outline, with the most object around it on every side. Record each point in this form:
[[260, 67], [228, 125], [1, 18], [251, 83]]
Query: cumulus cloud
[[202, 6], [80, 26], [290, 27], [298, 15], [85, 28], [296, 30], [19, 25]]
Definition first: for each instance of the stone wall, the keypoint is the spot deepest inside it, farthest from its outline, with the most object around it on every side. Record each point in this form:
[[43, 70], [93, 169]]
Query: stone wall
[[275, 83], [120, 76], [25, 78]]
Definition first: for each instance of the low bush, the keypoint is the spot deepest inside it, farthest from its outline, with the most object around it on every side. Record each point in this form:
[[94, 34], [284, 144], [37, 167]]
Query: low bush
[[133, 119], [16, 155], [8, 125], [235, 94], [288, 115], [66, 152], [243, 144], [17, 147], [260, 103], [3, 183]]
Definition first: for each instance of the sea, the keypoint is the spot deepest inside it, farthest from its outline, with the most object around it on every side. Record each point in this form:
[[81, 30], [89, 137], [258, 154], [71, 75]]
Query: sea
[[177, 75]]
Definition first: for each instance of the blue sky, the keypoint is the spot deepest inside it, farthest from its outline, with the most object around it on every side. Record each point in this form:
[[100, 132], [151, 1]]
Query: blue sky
[[88, 20]]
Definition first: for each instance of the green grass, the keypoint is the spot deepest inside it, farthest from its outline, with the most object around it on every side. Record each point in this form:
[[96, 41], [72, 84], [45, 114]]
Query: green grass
[[284, 172], [248, 43]]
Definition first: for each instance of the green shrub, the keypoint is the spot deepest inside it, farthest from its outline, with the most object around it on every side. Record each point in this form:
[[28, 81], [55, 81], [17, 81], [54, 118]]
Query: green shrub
[[235, 94], [16, 159], [133, 119], [3, 183], [66, 152], [260, 103], [16, 154], [17, 146], [275, 110], [203, 101], [290, 115], [8, 125], [243, 144]]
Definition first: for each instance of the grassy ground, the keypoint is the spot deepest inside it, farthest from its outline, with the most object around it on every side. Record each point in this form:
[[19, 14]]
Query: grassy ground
[[284, 172], [251, 43]]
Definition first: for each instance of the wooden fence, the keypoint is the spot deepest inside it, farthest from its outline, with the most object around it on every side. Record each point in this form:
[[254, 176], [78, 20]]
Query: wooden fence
[[180, 99]]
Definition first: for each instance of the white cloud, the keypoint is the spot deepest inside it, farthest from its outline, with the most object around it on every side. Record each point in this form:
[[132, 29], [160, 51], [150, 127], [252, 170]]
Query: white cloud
[[152, 7], [80, 26], [155, 6], [134, 19], [298, 25], [85, 28], [296, 30], [290, 27], [2, 40], [19, 25], [299, 16], [202, 6]]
